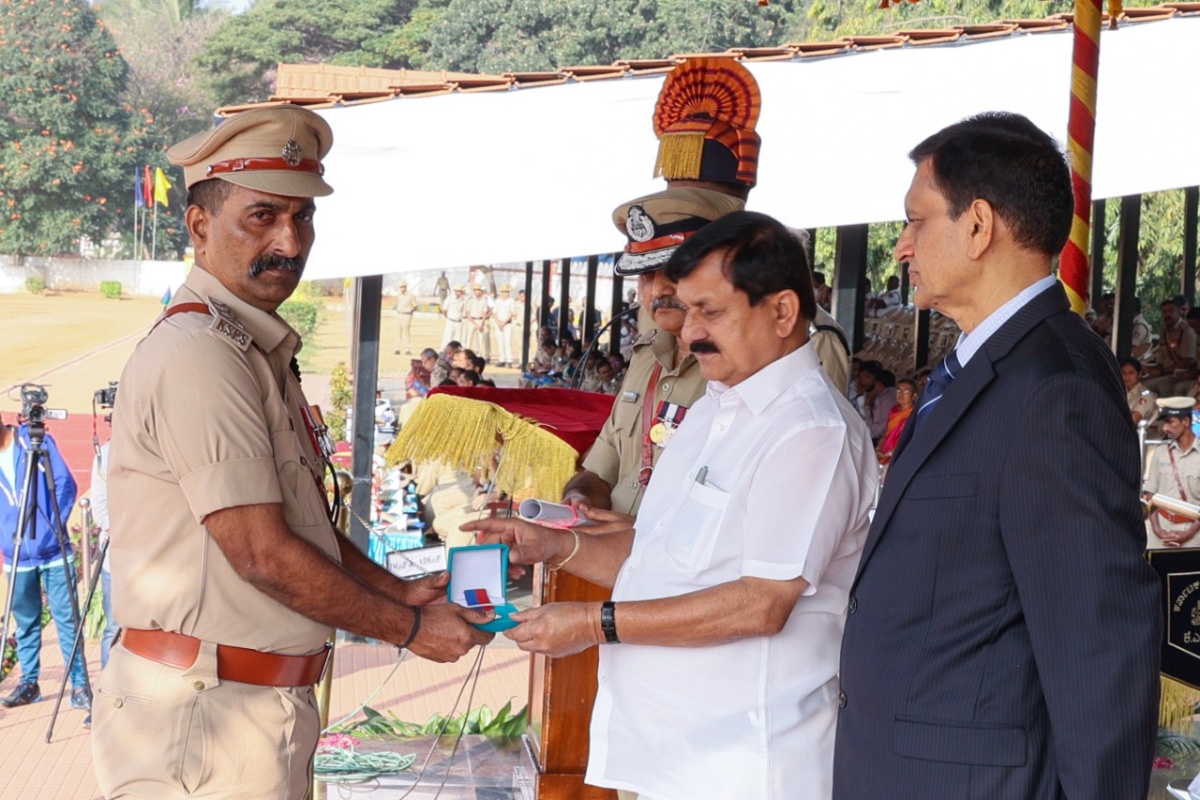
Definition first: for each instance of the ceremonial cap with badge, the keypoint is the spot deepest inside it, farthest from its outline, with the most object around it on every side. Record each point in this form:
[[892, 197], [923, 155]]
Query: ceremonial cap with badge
[[657, 224], [704, 120], [1181, 407], [276, 150]]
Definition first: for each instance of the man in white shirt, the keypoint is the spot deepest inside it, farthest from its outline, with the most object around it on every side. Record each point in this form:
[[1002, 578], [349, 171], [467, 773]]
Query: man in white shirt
[[728, 604], [504, 312]]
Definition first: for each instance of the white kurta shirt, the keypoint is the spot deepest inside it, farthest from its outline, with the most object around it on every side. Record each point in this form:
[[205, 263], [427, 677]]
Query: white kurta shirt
[[787, 475]]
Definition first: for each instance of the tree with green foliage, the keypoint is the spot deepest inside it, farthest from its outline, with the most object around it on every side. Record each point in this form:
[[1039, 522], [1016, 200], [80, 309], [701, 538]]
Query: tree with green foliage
[[160, 39], [69, 143], [513, 35], [241, 57]]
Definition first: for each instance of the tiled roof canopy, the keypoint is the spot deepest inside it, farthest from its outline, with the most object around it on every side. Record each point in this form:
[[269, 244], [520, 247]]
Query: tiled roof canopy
[[325, 85]]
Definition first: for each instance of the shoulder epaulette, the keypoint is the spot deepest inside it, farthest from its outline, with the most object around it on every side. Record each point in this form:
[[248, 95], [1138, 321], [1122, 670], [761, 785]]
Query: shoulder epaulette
[[227, 325]]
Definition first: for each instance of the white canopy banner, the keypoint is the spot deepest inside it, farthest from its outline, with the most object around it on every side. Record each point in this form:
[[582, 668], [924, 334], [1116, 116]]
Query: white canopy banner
[[477, 178]]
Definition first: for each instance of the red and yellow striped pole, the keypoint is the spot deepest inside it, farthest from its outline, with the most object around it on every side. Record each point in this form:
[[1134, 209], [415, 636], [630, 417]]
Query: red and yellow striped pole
[[1081, 130]]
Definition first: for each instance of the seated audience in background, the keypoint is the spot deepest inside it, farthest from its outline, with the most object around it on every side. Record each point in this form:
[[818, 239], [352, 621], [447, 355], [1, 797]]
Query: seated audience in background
[[542, 363], [478, 364], [922, 379], [441, 370], [1175, 354], [878, 396], [1141, 340], [619, 366], [1140, 399], [420, 378], [602, 380], [906, 396], [823, 292], [854, 395], [1103, 323], [468, 377], [464, 359]]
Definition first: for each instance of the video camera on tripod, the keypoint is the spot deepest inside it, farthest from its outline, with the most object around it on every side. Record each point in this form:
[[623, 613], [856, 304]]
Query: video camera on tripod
[[106, 398], [33, 405]]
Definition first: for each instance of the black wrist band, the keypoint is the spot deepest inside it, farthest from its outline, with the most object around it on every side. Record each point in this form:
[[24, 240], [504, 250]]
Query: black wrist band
[[608, 621], [415, 628]]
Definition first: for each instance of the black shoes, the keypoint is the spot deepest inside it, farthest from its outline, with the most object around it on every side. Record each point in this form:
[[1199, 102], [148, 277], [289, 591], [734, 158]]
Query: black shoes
[[23, 695]]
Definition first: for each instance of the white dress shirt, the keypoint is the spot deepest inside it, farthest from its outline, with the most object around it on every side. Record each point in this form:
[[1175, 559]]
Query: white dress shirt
[[771, 478]]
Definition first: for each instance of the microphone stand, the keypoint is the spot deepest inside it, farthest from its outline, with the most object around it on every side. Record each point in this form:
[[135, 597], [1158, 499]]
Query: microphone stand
[[577, 378]]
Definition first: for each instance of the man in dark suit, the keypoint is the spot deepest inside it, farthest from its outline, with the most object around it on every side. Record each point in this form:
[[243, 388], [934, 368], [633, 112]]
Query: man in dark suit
[[1003, 632]]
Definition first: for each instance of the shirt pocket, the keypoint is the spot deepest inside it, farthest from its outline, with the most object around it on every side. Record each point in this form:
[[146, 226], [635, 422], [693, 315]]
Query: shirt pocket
[[295, 481], [696, 525], [1192, 482]]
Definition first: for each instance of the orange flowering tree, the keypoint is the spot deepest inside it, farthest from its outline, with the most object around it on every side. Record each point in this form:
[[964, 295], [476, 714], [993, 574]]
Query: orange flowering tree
[[68, 146]]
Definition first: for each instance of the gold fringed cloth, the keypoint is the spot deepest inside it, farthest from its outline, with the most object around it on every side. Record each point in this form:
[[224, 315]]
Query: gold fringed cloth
[[1177, 708], [464, 433]]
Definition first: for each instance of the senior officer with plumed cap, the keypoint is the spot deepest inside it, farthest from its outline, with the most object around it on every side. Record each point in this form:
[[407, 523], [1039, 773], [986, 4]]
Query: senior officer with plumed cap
[[228, 577], [705, 119], [708, 153]]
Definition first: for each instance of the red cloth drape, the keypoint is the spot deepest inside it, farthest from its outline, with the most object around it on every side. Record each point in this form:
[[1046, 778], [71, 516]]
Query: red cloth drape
[[575, 417]]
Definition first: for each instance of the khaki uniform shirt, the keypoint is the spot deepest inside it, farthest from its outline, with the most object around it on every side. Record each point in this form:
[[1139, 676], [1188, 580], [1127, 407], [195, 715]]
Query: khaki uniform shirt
[[835, 359], [616, 456], [1175, 346], [453, 308], [1161, 480], [477, 308], [1141, 400], [406, 302], [210, 419], [504, 309]]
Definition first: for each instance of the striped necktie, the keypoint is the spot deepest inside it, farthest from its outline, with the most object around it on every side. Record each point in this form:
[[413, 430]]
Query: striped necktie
[[939, 381]]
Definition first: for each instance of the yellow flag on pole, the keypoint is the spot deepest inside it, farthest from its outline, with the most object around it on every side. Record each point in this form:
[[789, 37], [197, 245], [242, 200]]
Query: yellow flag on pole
[[161, 185]]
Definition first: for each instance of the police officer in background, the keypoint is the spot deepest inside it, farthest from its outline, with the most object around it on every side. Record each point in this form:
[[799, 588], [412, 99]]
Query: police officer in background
[[228, 577]]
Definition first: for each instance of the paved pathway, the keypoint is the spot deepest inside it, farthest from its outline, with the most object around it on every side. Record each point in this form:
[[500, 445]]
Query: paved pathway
[[31, 769]]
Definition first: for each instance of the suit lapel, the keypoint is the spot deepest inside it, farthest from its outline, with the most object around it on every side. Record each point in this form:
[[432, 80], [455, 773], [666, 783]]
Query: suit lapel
[[922, 439]]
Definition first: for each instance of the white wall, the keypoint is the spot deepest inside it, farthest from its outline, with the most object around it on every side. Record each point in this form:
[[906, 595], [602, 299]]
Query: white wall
[[145, 278]]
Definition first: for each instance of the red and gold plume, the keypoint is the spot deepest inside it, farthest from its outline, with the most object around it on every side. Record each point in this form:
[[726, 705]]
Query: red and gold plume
[[704, 119]]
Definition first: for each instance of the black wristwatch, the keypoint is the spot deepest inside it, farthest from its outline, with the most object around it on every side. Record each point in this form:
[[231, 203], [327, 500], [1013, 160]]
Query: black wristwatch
[[608, 621]]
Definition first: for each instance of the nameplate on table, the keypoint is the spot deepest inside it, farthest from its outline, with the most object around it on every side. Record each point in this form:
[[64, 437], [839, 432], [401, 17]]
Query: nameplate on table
[[417, 562]]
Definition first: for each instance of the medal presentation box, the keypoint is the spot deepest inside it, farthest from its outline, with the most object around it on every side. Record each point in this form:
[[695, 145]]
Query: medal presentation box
[[478, 577]]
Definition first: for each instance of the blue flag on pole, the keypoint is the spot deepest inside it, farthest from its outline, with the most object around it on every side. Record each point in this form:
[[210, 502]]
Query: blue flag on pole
[[139, 196]]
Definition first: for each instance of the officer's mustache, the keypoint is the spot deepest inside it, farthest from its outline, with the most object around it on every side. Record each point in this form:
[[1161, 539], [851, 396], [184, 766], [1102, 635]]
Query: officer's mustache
[[703, 346], [264, 263], [668, 301]]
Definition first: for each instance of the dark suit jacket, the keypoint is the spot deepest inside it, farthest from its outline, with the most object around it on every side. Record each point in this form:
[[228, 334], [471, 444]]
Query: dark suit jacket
[[1002, 640]]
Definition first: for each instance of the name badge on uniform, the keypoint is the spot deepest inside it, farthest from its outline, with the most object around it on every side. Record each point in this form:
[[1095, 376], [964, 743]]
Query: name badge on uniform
[[667, 419], [629, 397]]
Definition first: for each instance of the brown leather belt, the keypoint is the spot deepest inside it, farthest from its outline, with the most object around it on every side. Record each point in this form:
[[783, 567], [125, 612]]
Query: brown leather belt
[[233, 663]]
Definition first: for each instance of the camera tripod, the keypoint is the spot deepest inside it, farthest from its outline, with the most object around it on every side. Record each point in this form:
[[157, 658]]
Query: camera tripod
[[37, 462]]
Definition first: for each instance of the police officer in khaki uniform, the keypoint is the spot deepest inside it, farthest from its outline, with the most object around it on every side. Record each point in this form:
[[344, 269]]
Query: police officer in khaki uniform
[[663, 379], [479, 313], [708, 152], [406, 306], [504, 311], [454, 309], [1175, 472], [227, 575]]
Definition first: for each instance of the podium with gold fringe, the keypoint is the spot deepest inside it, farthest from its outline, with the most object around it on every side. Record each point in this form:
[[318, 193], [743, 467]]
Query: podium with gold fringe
[[528, 441]]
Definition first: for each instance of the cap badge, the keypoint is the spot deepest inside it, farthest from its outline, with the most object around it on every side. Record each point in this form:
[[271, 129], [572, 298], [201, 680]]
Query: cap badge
[[291, 153], [638, 224]]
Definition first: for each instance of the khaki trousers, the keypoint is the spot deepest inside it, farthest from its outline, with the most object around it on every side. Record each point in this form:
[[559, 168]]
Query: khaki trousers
[[162, 733], [404, 337]]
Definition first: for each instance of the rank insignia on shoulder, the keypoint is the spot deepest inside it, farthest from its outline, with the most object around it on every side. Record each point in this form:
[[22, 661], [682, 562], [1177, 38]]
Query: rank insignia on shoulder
[[227, 324]]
